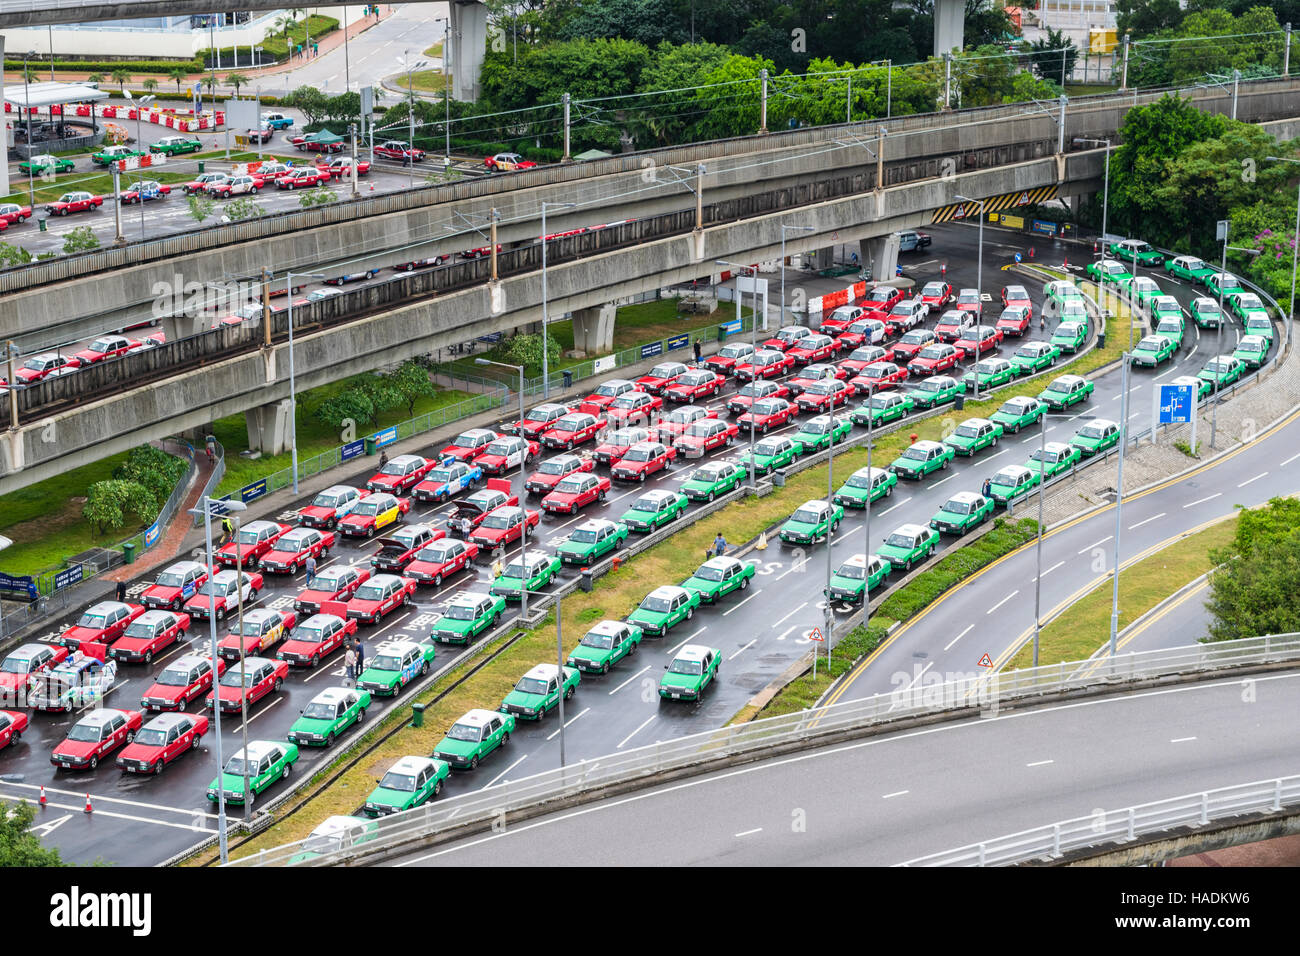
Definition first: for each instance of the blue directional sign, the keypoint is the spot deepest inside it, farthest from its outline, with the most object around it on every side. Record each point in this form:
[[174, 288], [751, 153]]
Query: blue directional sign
[[1176, 404]]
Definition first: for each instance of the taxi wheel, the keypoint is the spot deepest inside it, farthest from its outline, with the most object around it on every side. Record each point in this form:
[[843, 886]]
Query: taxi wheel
[[889, 491], [604, 668], [473, 762], [284, 775], [94, 762], [424, 668], [370, 532], [331, 524], [329, 739], [690, 613], [711, 496], [568, 694], [995, 441], [944, 465], [437, 788], [642, 478], [744, 583], [604, 495], [361, 715], [278, 682], [505, 738], [157, 768], [764, 430], [14, 738], [907, 566], [195, 740], [569, 445], [148, 657], [221, 612]]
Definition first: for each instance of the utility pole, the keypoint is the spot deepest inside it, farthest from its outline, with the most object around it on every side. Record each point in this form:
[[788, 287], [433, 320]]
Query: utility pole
[[1123, 76], [566, 158], [1286, 53], [762, 103], [947, 81], [1060, 133]]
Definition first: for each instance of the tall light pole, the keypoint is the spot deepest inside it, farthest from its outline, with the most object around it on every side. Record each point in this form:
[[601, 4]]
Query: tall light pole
[[206, 510], [1119, 500], [784, 228], [753, 344], [1042, 490], [293, 395], [140, 106], [830, 525], [410, 115], [979, 288], [1295, 241], [546, 352], [446, 90], [27, 105], [523, 490]]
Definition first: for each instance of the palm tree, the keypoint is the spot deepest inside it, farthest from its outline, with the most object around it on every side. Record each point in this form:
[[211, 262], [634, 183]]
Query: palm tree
[[120, 76], [150, 85], [211, 81], [236, 80], [178, 73], [95, 78], [29, 75]]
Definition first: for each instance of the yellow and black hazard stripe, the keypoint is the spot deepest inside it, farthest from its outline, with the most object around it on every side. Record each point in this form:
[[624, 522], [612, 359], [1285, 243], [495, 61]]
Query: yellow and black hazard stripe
[[970, 210]]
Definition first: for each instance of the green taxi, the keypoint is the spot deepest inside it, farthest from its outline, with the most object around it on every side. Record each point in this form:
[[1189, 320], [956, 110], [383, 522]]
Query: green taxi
[[1152, 350], [811, 522], [591, 541], [1056, 293], [1224, 284], [1191, 268], [327, 715], [1129, 250], [1034, 357], [332, 835], [908, 544], [1165, 307], [1109, 271], [820, 431], [111, 154], [710, 480], [1206, 313], [267, 761], [468, 615], [394, 664], [855, 579], [1245, 304], [1070, 336], [972, 435], [961, 512], [1053, 458], [176, 145], [1066, 391], [879, 483], [1173, 329], [408, 783], [40, 165], [991, 373], [473, 737], [539, 691], [770, 454], [691, 670], [1143, 289], [1010, 483], [604, 645], [934, 391], [1223, 369], [654, 509], [921, 458], [881, 409], [718, 577], [1019, 412], [663, 608], [1095, 436], [1203, 386], [1252, 349], [1260, 325], [532, 572]]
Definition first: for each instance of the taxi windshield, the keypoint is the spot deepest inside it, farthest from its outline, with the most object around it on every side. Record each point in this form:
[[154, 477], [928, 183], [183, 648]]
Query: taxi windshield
[[806, 516], [434, 552], [92, 620], [640, 454], [366, 509], [858, 481], [324, 500], [917, 454], [392, 468], [583, 535], [369, 592], [497, 522], [398, 781], [767, 448], [137, 629], [319, 710], [570, 486], [915, 337], [932, 352], [251, 628], [215, 588], [386, 662], [170, 579], [900, 540], [231, 678], [460, 612], [601, 642], [854, 572], [151, 737], [531, 685], [706, 573], [555, 467], [657, 604], [680, 666], [1092, 431], [174, 677], [467, 441], [959, 507], [84, 732], [466, 732], [309, 634], [968, 431], [766, 408], [610, 391], [538, 415]]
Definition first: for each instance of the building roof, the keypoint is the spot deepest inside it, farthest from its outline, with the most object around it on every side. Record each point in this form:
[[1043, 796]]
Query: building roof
[[49, 94]]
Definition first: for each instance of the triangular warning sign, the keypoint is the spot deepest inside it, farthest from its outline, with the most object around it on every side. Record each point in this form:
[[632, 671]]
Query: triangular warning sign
[[985, 662], [1023, 200], [960, 213]]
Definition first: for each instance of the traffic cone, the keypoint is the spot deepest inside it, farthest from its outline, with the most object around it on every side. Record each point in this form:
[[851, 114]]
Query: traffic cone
[[88, 803], [1031, 252], [762, 542], [372, 187], [1067, 263], [42, 800]]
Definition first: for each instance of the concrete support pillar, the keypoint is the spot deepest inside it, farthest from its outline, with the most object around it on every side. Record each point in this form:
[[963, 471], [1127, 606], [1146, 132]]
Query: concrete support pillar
[[881, 254], [468, 42], [823, 258], [1077, 203], [182, 326], [949, 25], [268, 427], [593, 329]]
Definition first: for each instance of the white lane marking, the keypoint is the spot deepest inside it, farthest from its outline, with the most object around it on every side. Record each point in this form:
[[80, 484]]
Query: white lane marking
[[1147, 521], [554, 732], [942, 480], [629, 680], [689, 638], [757, 592], [896, 793], [1049, 570], [1201, 501], [790, 615], [745, 648], [1288, 461], [991, 457], [797, 566], [1180, 740], [98, 798], [959, 636], [1249, 480], [749, 832], [1026, 441], [258, 714], [635, 732], [507, 770], [1094, 544], [1003, 601], [899, 505], [1040, 763], [783, 634], [919, 675], [132, 817]]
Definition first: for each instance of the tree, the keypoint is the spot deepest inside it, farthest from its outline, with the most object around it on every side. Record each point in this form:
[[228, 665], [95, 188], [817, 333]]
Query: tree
[[1053, 56], [412, 383], [121, 76], [526, 350], [350, 406], [236, 80], [317, 197], [95, 78], [152, 468], [11, 255], [210, 81], [81, 239], [313, 103], [1255, 586], [243, 208], [179, 74], [1142, 18], [150, 84], [107, 503], [200, 207], [18, 845]]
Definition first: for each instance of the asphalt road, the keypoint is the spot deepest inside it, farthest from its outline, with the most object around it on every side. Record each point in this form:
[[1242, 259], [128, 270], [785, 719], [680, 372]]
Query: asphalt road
[[759, 637], [889, 799]]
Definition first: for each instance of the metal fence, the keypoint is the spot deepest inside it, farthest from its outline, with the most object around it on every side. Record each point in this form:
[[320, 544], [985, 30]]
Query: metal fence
[[1123, 826], [644, 766]]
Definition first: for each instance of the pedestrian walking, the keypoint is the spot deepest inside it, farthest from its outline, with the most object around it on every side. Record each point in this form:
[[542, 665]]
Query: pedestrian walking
[[227, 530], [121, 591], [383, 459], [361, 656], [350, 659], [311, 568], [719, 545], [315, 49], [986, 489], [697, 350]]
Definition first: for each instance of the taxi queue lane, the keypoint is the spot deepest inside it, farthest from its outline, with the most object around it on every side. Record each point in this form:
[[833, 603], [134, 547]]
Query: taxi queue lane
[[182, 785]]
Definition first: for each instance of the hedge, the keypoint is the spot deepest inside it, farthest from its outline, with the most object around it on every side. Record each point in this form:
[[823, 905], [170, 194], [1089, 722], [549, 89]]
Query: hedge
[[108, 66]]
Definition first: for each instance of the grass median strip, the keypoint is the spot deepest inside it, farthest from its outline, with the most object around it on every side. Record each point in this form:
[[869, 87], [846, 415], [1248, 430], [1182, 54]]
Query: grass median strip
[[1085, 625], [801, 693]]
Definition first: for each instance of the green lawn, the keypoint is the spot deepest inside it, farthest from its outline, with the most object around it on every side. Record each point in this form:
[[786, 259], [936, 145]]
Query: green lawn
[[426, 81], [45, 521], [101, 184], [248, 157], [313, 437]]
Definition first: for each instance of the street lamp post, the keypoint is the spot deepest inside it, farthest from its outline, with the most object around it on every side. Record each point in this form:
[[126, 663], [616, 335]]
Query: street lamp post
[[784, 227], [753, 344], [979, 288], [546, 363], [523, 491], [140, 105], [27, 105], [410, 115], [1126, 376], [293, 397], [206, 511], [1042, 491]]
